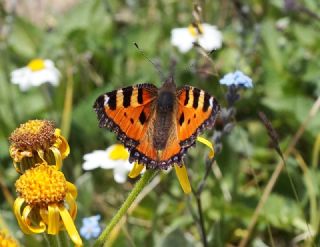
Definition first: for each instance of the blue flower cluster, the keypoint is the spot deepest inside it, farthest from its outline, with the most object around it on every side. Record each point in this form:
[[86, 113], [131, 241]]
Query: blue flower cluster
[[90, 227], [238, 79]]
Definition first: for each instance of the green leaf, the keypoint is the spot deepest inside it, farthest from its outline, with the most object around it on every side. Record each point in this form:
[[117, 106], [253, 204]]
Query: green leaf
[[282, 212], [25, 39], [173, 239]]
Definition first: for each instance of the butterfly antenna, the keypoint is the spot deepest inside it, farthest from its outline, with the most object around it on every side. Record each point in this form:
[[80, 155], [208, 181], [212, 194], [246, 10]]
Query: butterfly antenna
[[173, 65], [156, 66]]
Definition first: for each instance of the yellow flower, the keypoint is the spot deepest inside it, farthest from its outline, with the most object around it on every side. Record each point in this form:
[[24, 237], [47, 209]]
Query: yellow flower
[[7, 241], [46, 202], [181, 170], [35, 142]]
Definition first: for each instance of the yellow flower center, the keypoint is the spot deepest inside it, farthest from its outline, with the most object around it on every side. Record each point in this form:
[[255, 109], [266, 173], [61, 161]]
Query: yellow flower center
[[119, 152], [42, 185], [36, 64], [34, 135], [7, 241], [195, 29]]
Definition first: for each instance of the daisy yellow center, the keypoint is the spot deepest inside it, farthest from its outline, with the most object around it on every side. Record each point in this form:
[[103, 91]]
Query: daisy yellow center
[[7, 241], [195, 29], [34, 135], [42, 185], [119, 152], [36, 64]]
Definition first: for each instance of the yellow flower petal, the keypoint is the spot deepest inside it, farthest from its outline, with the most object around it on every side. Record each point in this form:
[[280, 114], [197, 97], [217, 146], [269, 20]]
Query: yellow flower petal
[[136, 170], [183, 178], [61, 144], [70, 227], [41, 155], [33, 229], [57, 157], [72, 189], [53, 219], [208, 144], [119, 152], [17, 211], [72, 205]]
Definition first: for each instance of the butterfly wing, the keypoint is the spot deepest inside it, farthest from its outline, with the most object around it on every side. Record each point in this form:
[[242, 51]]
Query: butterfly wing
[[127, 111], [197, 111]]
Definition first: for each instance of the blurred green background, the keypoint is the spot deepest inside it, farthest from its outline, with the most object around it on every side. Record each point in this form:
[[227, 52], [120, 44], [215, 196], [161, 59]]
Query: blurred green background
[[276, 43]]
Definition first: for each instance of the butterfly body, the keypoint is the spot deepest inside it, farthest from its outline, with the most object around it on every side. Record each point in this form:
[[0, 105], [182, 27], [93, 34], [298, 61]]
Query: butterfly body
[[165, 111], [157, 126]]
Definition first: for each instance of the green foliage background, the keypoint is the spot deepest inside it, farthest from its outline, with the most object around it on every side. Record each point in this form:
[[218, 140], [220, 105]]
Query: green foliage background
[[92, 45]]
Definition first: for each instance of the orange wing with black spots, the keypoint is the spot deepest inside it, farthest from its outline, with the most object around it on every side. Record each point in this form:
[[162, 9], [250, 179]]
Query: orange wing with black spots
[[146, 153], [126, 112], [197, 110]]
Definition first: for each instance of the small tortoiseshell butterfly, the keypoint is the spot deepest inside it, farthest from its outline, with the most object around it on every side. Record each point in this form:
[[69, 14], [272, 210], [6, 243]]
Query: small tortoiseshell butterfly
[[157, 125]]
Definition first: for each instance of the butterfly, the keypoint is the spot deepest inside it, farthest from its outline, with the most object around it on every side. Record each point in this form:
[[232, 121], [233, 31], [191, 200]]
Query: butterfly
[[157, 125]]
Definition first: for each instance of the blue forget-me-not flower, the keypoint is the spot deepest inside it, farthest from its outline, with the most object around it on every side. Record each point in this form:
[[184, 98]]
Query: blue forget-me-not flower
[[238, 79], [90, 227]]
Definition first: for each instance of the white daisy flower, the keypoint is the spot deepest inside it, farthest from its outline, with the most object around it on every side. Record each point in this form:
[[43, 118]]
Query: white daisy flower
[[115, 157], [206, 35], [37, 72]]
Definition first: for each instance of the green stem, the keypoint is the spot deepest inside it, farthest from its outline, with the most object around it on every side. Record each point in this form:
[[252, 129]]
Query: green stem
[[53, 240], [64, 239], [125, 206], [67, 109]]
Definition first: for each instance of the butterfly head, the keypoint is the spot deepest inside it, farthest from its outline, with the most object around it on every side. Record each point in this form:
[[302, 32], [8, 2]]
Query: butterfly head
[[166, 96], [168, 85]]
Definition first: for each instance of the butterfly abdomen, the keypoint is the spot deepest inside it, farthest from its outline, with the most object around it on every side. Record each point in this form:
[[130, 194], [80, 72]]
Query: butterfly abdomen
[[164, 116]]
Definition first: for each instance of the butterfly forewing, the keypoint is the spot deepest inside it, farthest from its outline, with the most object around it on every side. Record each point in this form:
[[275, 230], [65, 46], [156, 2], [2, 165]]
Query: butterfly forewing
[[126, 111], [197, 111]]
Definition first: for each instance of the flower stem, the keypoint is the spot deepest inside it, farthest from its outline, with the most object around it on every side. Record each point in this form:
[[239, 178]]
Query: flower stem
[[64, 239], [67, 109], [125, 206], [53, 240]]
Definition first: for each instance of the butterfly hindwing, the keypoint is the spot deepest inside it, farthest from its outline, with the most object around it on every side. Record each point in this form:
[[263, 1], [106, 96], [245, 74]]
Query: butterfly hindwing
[[126, 111], [197, 110], [145, 153]]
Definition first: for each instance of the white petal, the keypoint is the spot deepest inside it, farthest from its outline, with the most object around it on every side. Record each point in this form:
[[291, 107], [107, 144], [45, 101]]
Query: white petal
[[211, 39], [22, 79], [20, 75], [120, 173], [95, 159], [43, 76], [182, 39], [112, 164], [49, 63], [20, 72], [87, 165]]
